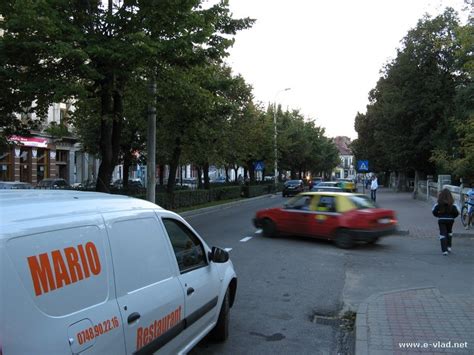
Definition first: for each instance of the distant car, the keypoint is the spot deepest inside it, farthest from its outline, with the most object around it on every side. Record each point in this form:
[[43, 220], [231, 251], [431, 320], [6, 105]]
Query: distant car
[[314, 181], [218, 180], [132, 184], [343, 217], [326, 188], [16, 185], [292, 187], [85, 185], [347, 185], [53, 183], [334, 184]]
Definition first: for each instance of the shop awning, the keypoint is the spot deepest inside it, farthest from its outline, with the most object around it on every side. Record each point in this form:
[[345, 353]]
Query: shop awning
[[30, 141]]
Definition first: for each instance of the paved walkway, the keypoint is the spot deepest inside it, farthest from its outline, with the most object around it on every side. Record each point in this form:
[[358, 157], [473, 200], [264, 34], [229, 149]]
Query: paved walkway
[[415, 321], [414, 216]]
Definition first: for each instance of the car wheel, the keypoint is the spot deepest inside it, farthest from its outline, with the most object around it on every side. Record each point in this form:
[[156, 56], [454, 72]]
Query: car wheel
[[268, 228], [344, 240], [220, 332], [373, 241]]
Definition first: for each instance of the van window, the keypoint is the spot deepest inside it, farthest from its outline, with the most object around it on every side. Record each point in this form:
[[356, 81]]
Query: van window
[[188, 249], [64, 270], [140, 254]]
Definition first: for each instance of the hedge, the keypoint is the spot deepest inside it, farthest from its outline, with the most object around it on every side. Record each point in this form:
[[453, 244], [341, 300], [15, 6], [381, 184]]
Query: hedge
[[187, 198]]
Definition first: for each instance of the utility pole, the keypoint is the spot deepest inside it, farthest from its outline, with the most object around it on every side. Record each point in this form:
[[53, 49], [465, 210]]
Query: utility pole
[[151, 144]]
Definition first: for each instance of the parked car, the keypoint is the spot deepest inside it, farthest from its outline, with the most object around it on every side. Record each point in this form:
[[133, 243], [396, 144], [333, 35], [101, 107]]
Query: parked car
[[53, 183], [343, 217], [218, 180], [314, 181], [329, 184], [292, 187], [132, 184], [106, 274], [14, 185], [85, 185]]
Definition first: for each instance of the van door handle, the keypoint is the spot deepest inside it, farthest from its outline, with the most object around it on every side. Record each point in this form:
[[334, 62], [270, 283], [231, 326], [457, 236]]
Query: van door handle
[[133, 317], [189, 291]]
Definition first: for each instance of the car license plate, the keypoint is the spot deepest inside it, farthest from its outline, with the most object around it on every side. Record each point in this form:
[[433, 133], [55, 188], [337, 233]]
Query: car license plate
[[385, 220]]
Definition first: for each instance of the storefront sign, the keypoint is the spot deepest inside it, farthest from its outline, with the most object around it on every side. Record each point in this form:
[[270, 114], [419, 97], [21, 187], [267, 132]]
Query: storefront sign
[[30, 141]]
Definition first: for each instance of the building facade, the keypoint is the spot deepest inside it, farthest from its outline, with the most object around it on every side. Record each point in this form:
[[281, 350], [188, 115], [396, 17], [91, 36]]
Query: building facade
[[346, 167]]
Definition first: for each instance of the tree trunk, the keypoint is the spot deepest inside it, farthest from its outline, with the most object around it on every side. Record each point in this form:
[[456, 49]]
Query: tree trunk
[[226, 173], [110, 132], [251, 171], [127, 162], [207, 185], [199, 178], [174, 165], [162, 174]]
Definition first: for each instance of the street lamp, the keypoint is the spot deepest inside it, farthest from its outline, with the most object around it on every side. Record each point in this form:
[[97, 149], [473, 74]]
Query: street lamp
[[275, 135]]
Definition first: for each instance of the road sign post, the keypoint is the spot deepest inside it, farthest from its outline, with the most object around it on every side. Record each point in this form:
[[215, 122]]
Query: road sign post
[[363, 165]]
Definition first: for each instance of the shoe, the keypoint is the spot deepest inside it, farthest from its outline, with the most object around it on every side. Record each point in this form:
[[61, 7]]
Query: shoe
[[449, 249], [467, 228], [445, 253]]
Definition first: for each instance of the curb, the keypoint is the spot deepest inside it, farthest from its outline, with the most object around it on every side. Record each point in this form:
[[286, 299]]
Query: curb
[[361, 326], [223, 206], [406, 232]]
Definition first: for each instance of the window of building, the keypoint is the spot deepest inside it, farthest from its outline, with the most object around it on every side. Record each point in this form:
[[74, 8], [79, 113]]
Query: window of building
[[6, 166], [25, 164], [62, 157], [42, 169]]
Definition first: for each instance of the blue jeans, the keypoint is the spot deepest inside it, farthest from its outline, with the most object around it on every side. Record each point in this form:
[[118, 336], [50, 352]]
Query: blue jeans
[[373, 194]]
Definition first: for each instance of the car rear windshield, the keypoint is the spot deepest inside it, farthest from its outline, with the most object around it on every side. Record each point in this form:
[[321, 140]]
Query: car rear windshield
[[361, 202], [293, 182]]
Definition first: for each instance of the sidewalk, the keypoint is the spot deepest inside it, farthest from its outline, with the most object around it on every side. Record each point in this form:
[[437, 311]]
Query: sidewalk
[[415, 321], [414, 216]]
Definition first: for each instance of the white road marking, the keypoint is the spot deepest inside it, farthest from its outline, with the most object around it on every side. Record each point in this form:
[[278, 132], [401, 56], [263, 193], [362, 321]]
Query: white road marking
[[227, 249], [258, 231], [246, 239]]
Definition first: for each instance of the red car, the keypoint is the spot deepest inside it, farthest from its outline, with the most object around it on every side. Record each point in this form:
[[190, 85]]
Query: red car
[[343, 217]]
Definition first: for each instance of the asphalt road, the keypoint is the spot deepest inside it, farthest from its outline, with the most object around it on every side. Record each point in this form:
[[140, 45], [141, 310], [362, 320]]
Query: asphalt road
[[282, 284], [291, 289]]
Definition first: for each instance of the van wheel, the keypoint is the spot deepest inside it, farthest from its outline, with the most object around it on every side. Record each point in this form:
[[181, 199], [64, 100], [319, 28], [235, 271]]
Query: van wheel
[[220, 332], [268, 228], [344, 240]]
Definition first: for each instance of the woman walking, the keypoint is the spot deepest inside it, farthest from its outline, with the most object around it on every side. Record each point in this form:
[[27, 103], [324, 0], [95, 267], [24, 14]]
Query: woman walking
[[446, 211]]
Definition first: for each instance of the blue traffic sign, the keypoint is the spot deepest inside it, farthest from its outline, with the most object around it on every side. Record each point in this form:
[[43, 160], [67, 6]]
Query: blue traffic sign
[[259, 165], [362, 165]]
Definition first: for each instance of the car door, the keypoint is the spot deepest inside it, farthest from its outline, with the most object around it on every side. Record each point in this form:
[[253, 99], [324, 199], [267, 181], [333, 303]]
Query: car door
[[324, 218], [293, 217], [199, 278], [149, 293]]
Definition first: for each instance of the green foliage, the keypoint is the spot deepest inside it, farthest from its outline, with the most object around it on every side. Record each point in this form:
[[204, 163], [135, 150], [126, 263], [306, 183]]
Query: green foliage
[[55, 50], [416, 119]]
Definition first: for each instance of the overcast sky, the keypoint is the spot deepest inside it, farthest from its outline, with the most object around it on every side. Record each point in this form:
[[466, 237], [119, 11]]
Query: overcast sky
[[329, 53]]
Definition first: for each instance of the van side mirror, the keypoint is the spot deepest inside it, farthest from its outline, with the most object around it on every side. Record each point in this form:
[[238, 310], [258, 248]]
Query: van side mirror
[[218, 255]]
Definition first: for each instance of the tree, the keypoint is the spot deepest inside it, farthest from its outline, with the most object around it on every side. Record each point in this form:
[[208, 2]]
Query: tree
[[55, 50], [408, 114]]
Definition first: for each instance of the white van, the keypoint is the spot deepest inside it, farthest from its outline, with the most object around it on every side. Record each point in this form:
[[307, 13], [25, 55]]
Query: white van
[[92, 273]]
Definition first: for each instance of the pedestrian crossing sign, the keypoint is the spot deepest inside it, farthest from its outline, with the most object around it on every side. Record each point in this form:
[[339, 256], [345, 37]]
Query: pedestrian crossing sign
[[362, 165]]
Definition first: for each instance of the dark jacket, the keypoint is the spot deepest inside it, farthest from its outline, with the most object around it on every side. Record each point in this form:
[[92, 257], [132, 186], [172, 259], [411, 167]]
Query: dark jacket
[[448, 214]]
